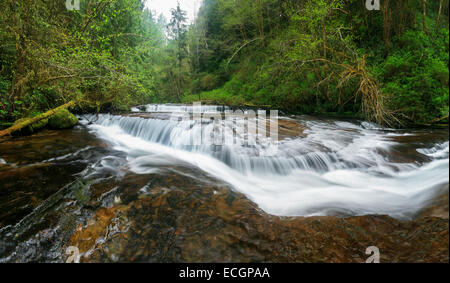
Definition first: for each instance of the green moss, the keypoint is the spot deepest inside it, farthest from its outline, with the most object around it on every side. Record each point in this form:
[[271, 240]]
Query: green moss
[[25, 131], [39, 125], [30, 129], [62, 119]]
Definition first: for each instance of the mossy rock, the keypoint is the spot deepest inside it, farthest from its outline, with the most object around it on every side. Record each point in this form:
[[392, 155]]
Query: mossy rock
[[25, 131], [62, 119], [39, 125]]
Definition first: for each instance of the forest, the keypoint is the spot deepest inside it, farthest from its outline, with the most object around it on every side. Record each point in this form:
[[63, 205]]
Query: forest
[[300, 56], [322, 135]]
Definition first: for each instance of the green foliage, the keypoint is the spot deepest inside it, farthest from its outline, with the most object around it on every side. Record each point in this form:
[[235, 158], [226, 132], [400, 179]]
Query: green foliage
[[308, 56], [415, 76], [317, 56], [102, 54]]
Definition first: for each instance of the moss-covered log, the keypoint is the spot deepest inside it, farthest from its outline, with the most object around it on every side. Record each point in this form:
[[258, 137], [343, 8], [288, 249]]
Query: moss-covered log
[[21, 125]]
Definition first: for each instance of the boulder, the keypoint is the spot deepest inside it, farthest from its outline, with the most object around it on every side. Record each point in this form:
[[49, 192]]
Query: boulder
[[62, 119], [39, 125]]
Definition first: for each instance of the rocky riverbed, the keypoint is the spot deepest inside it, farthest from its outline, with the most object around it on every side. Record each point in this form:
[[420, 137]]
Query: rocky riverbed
[[69, 188]]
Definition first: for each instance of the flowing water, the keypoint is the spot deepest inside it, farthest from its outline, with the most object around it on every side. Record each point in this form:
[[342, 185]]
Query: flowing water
[[57, 184], [322, 166]]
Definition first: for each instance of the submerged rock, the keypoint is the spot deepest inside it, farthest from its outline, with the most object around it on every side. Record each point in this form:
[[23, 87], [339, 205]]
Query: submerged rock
[[62, 119]]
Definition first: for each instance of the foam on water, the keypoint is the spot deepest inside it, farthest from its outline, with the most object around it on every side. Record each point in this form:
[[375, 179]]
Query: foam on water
[[438, 151], [337, 168]]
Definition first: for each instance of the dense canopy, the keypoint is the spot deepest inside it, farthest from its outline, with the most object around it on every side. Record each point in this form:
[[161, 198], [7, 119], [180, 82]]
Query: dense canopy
[[301, 56]]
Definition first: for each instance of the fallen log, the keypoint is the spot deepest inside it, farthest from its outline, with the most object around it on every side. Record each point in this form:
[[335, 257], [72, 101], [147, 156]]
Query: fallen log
[[33, 120], [439, 119]]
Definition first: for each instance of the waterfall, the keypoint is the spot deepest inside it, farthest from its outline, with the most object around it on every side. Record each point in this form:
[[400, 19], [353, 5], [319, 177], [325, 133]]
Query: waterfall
[[335, 167]]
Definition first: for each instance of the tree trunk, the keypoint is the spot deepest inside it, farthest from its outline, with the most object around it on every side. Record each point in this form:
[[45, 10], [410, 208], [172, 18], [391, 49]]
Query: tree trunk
[[439, 16], [260, 21], [34, 120], [386, 23], [424, 2]]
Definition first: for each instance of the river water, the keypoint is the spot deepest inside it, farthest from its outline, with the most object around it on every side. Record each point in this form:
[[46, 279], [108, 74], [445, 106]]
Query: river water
[[125, 169], [321, 167]]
